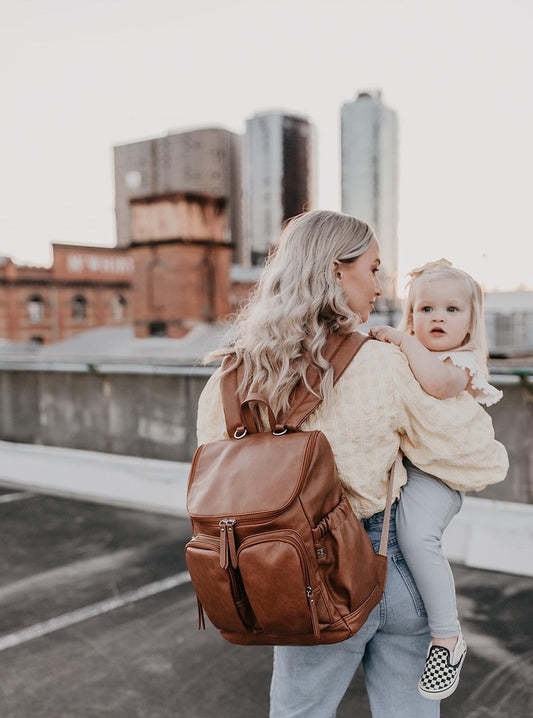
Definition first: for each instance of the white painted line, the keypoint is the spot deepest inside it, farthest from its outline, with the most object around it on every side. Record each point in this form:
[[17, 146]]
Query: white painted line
[[95, 609], [15, 496]]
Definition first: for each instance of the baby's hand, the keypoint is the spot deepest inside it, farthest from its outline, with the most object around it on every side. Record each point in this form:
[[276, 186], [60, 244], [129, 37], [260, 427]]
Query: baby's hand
[[387, 334]]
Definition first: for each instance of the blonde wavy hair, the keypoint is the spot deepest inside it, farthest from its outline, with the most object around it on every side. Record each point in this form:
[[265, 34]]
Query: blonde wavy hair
[[297, 303], [476, 339]]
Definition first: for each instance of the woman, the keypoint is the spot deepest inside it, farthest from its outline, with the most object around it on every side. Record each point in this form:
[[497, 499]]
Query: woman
[[322, 278]]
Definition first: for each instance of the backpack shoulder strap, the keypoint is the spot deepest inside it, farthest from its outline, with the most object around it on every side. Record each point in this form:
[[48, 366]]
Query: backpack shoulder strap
[[339, 352], [230, 399]]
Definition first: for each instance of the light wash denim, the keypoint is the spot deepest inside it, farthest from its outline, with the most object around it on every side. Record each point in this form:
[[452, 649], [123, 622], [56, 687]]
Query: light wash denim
[[427, 505], [309, 682]]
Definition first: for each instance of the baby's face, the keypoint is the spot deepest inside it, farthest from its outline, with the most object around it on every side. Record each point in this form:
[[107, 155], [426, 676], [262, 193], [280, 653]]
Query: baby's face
[[441, 313]]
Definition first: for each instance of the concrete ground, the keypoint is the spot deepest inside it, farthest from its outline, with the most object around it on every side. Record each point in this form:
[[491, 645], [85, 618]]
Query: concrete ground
[[97, 618]]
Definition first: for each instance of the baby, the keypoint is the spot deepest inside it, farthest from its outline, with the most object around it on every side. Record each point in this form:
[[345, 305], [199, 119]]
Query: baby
[[442, 334]]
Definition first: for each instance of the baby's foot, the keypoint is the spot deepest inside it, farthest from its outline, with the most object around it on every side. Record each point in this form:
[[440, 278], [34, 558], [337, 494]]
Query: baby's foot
[[441, 672]]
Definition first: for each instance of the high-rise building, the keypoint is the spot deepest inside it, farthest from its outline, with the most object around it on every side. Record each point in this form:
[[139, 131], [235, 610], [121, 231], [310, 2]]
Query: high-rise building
[[204, 161], [369, 158], [278, 176]]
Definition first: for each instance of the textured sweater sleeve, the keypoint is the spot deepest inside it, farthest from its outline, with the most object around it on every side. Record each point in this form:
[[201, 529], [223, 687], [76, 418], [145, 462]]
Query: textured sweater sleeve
[[210, 424]]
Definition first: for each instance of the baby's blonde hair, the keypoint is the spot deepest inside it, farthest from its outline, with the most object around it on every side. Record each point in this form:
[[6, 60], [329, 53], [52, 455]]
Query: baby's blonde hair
[[476, 339]]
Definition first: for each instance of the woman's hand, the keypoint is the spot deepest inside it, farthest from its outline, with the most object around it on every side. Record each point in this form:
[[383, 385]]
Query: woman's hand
[[387, 334]]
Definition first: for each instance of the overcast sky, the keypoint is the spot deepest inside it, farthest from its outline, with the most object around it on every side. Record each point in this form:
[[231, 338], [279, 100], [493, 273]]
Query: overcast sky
[[79, 76]]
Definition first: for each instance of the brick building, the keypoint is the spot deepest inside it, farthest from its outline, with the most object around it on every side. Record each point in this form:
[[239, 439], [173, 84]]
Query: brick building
[[86, 287], [175, 274], [182, 254]]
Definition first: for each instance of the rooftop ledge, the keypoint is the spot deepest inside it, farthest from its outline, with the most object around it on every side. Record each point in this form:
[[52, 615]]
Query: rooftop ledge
[[125, 365], [487, 534]]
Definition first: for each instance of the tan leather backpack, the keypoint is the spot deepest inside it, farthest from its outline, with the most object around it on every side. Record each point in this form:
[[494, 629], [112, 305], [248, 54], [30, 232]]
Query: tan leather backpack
[[277, 554]]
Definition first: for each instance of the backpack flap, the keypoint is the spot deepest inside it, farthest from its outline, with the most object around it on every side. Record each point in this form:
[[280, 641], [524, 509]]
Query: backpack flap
[[241, 477]]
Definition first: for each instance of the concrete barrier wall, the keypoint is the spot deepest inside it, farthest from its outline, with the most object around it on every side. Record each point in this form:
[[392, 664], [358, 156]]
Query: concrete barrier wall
[[512, 418], [151, 413], [148, 415]]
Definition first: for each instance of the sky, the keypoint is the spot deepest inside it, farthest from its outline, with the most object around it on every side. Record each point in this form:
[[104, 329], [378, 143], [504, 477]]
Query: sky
[[80, 76]]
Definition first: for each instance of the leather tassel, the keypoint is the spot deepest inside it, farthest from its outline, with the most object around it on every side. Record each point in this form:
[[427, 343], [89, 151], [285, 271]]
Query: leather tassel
[[201, 617]]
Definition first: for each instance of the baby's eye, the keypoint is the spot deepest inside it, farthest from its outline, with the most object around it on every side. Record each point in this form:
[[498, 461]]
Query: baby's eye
[[453, 309], [426, 309]]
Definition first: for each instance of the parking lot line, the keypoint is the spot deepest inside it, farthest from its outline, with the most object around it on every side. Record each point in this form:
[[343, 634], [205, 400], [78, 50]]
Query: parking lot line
[[15, 496], [96, 609]]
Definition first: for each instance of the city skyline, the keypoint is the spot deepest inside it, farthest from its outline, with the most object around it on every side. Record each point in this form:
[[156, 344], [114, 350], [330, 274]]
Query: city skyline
[[81, 78]]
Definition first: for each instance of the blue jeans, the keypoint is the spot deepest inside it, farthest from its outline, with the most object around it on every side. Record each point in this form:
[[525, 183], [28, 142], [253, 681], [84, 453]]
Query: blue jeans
[[310, 681]]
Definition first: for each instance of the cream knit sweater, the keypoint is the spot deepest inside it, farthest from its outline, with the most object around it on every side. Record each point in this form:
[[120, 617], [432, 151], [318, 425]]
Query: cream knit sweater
[[379, 411]]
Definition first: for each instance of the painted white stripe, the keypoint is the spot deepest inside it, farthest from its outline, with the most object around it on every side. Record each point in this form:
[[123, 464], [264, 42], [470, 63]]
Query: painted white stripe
[[95, 609], [15, 496]]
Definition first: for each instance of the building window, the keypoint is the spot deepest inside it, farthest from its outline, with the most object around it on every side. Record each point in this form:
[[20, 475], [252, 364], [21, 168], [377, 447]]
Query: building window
[[118, 308], [133, 179], [35, 307], [79, 307], [158, 329]]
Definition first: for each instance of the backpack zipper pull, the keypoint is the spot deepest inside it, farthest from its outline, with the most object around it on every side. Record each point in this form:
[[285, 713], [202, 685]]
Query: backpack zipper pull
[[312, 608], [230, 523], [227, 543], [223, 545]]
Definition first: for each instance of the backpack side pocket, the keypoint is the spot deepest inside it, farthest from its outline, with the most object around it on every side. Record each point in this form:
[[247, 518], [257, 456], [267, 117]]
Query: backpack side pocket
[[346, 559]]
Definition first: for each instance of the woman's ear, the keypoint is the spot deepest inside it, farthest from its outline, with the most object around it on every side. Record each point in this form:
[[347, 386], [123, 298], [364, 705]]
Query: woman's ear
[[336, 270]]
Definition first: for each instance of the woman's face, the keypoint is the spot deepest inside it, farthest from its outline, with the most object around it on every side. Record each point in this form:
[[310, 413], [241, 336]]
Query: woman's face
[[359, 280]]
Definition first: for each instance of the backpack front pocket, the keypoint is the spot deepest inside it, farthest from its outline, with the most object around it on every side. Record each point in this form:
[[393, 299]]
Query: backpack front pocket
[[276, 577], [217, 588]]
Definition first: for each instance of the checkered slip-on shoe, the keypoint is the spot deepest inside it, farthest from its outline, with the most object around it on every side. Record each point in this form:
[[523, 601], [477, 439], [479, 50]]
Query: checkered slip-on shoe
[[441, 672]]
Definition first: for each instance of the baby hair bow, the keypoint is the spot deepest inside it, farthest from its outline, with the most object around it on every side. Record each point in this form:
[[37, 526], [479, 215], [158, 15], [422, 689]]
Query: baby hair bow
[[414, 273]]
